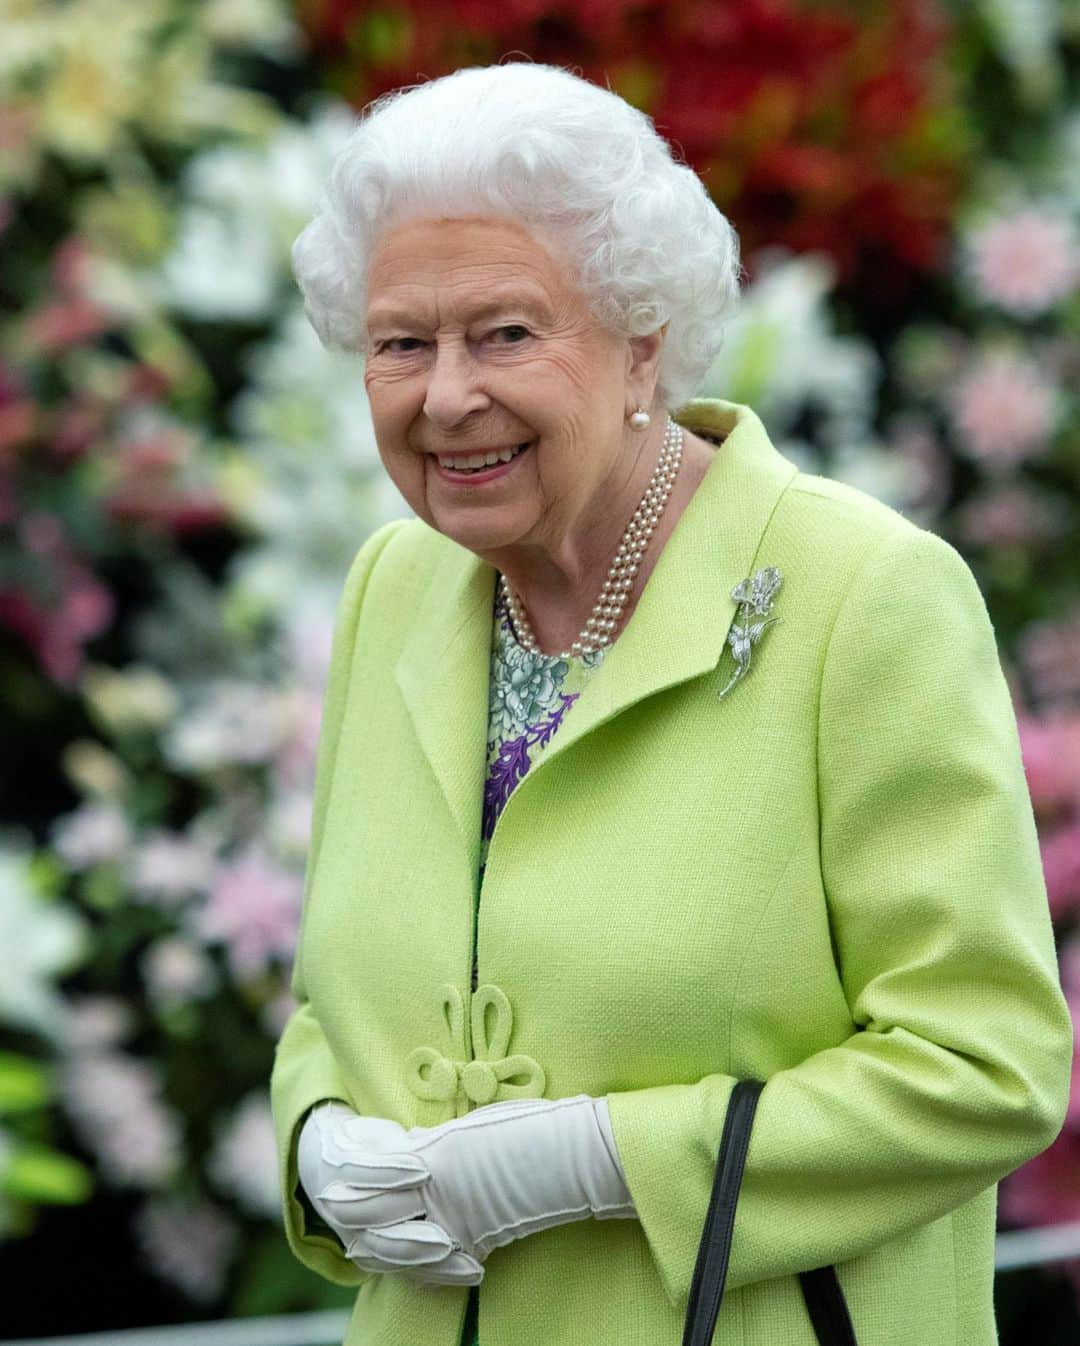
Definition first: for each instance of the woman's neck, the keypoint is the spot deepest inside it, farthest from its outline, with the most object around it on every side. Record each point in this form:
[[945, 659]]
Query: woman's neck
[[557, 622]]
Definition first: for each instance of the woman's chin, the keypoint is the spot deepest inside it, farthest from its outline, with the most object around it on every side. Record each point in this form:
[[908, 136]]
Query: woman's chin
[[481, 528]]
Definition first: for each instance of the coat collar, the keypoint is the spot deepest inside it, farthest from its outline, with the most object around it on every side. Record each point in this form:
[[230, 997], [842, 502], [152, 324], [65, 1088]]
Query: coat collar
[[677, 631]]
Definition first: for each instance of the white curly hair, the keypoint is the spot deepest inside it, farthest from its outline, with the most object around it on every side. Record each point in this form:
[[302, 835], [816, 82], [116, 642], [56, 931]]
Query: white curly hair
[[567, 159]]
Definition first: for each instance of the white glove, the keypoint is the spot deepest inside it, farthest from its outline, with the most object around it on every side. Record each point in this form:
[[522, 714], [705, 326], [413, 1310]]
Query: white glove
[[497, 1174], [385, 1226]]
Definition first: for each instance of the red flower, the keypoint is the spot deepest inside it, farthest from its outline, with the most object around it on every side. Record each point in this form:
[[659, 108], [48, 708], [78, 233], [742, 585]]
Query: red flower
[[813, 126]]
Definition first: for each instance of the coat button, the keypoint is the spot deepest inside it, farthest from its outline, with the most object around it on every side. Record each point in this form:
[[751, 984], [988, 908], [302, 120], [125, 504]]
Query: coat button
[[479, 1082]]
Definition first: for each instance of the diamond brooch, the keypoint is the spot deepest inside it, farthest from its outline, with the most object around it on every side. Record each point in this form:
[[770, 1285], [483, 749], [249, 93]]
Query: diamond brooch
[[755, 596]]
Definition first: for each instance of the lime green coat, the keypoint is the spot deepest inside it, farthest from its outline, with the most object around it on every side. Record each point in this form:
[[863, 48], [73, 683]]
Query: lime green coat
[[828, 879]]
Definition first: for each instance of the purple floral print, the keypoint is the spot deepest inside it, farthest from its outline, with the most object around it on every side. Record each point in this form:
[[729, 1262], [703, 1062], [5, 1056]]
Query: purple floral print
[[527, 702], [512, 762]]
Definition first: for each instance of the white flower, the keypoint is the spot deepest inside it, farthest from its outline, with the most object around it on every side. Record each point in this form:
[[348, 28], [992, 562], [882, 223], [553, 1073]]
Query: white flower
[[244, 207], [314, 485], [244, 1162], [40, 940], [189, 1245], [94, 770], [176, 971], [289, 823], [115, 1105], [221, 267], [98, 50], [307, 637], [167, 867], [96, 1022], [1027, 35], [93, 834], [136, 697], [780, 351], [256, 25], [230, 722]]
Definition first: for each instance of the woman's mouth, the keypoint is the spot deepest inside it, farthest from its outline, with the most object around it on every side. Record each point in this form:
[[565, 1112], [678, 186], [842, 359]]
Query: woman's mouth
[[475, 476]]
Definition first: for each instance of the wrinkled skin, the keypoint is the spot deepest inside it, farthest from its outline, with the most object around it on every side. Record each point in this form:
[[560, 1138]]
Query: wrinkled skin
[[480, 338]]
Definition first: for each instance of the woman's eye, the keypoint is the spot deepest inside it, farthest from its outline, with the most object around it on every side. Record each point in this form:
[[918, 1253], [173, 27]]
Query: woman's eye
[[513, 334]]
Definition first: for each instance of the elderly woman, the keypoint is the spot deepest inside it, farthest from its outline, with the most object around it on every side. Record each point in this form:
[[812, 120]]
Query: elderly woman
[[649, 763]]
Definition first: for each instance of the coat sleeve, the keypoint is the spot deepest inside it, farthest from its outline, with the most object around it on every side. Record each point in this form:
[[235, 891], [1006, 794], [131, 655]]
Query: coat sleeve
[[958, 1070], [304, 1069]]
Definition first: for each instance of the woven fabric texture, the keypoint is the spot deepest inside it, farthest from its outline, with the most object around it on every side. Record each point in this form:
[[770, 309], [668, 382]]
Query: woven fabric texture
[[828, 879]]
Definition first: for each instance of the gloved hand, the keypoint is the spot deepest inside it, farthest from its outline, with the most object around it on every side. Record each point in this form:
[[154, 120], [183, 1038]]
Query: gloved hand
[[499, 1173], [382, 1223]]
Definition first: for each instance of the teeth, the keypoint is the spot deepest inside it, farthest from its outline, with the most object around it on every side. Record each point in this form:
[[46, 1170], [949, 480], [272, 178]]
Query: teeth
[[478, 460]]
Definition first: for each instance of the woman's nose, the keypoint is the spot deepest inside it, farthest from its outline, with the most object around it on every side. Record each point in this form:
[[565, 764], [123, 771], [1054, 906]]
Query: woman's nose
[[453, 389]]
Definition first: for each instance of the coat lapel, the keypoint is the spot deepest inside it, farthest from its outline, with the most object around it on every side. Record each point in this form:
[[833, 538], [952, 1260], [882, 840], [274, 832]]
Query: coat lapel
[[677, 631]]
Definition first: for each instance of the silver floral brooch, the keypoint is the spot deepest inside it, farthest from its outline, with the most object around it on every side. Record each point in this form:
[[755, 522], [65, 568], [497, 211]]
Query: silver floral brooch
[[755, 596]]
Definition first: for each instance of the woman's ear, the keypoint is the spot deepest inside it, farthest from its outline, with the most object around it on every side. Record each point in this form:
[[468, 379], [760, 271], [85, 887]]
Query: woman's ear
[[643, 365]]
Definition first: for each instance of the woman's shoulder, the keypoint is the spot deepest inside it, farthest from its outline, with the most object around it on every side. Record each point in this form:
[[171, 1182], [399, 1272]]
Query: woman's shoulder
[[846, 523], [394, 568], [848, 547], [402, 548], [834, 504]]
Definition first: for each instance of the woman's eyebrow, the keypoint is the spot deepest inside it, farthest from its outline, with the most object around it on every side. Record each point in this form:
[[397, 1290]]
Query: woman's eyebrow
[[512, 299]]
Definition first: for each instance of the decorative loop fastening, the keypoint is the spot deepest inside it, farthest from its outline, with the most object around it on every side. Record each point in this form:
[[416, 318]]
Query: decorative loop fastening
[[435, 1077]]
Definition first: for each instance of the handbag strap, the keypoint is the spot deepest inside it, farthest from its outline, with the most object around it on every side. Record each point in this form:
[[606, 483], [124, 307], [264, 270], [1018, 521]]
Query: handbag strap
[[827, 1307], [821, 1288], [710, 1270]]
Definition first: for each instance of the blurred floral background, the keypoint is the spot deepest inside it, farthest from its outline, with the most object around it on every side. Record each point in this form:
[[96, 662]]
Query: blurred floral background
[[185, 475]]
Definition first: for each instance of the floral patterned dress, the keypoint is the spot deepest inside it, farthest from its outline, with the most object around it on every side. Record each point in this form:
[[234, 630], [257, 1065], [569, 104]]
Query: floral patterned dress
[[529, 696]]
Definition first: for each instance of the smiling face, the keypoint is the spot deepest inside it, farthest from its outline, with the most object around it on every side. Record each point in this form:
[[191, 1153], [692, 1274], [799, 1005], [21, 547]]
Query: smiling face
[[479, 340]]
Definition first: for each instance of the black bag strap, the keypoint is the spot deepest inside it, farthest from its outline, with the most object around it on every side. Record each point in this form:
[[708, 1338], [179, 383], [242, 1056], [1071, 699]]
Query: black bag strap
[[821, 1288], [827, 1307]]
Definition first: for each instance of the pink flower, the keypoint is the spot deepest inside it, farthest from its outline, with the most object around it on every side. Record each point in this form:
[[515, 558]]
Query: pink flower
[[1061, 868], [1003, 410], [78, 607], [1046, 1189], [254, 909], [1051, 752], [154, 483], [1025, 262], [1012, 515], [62, 323]]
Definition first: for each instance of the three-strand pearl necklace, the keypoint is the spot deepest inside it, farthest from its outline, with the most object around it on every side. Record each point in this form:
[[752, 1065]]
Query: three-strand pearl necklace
[[607, 610]]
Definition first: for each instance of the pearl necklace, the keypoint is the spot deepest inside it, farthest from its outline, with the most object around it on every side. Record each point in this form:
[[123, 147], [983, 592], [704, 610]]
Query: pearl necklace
[[607, 610]]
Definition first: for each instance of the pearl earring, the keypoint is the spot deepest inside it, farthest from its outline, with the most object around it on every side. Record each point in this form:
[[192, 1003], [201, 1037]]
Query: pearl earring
[[640, 419]]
